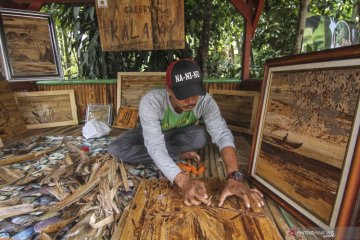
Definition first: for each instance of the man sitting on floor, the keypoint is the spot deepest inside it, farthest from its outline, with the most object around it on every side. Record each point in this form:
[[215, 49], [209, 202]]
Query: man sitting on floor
[[167, 133]]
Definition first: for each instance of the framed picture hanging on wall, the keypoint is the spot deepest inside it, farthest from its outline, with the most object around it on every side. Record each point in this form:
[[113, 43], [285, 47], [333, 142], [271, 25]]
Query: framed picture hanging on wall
[[28, 46]]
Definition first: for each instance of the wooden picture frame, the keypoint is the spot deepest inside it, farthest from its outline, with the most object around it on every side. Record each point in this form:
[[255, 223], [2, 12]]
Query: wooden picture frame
[[238, 108], [99, 112], [306, 148], [43, 109], [131, 86], [28, 46]]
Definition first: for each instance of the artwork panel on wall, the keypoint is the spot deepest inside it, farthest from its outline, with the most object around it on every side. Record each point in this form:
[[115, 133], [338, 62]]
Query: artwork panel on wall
[[29, 47], [43, 109], [307, 135]]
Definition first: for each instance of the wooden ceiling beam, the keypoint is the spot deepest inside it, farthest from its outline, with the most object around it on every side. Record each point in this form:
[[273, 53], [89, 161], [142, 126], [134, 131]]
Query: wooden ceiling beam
[[243, 8]]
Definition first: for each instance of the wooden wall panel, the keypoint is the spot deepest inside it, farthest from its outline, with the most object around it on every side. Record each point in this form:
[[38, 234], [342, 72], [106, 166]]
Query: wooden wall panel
[[158, 212], [11, 121], [239, 108], [141, 25]]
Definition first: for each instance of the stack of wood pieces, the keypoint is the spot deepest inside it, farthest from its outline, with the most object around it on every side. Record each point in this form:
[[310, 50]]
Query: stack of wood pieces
[[126, 118], [158, 212], [80, 197]]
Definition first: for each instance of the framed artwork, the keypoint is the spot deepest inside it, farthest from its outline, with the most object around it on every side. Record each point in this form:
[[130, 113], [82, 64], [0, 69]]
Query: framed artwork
[[99, 112], [308, 135], [44, 109], [132, 86], [238, 108], [29, 47]]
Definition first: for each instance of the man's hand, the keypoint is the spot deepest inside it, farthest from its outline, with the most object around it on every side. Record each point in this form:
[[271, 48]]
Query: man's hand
[[194, 190], [239, 189], [193, 156]]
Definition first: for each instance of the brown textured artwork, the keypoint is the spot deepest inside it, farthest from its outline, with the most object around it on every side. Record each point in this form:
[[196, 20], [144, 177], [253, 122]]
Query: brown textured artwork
[[43, 109], [307, 128], [158, 212], [11, 122]]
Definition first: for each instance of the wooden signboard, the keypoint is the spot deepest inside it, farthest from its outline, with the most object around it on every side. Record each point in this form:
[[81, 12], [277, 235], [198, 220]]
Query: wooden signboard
[[308, 136], [158, 212], [238, 108], [126, 25], [131, 86], [43, 109], [11, 120]]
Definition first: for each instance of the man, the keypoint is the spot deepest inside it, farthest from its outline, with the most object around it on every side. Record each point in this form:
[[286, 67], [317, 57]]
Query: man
[[167, 132]]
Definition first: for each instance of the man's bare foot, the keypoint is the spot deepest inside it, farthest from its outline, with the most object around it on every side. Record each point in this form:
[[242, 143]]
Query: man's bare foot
[[190, 156]]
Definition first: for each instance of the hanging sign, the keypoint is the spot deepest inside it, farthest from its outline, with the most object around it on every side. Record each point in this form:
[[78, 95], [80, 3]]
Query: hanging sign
[[126, 25]]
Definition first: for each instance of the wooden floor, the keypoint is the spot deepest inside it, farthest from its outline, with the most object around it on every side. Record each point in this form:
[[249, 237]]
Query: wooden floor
[[214, 168]]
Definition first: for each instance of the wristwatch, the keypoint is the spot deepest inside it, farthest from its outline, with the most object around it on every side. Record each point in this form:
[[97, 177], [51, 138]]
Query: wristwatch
[[236, 175]]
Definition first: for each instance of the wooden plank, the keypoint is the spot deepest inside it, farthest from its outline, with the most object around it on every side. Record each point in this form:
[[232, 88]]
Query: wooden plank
[[43, 109], [213, 166], [280, 220], [158, 212], [28, 157], [296, 226], [131, 86], [146, 25], [219, 163], [239, 108], [120, 227], [206, 161]]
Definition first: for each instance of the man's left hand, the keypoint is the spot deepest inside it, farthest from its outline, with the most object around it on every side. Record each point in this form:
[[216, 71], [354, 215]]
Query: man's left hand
[[239, 189]]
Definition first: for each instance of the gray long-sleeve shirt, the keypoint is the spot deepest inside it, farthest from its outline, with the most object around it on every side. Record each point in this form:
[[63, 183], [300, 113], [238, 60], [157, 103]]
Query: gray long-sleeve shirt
[[154, 107]]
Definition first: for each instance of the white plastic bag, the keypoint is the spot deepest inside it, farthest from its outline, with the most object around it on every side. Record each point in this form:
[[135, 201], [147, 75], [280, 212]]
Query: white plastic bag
[[95, 129]]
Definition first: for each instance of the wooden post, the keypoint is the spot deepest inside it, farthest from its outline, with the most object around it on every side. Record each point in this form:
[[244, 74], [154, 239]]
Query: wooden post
[[251, 12]]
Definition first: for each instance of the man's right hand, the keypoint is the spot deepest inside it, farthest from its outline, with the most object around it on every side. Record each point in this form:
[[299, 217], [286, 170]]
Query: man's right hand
[[194, 190]]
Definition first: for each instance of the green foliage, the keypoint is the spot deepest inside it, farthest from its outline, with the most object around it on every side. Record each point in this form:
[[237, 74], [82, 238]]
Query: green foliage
[[275, 33], [339, 9]]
